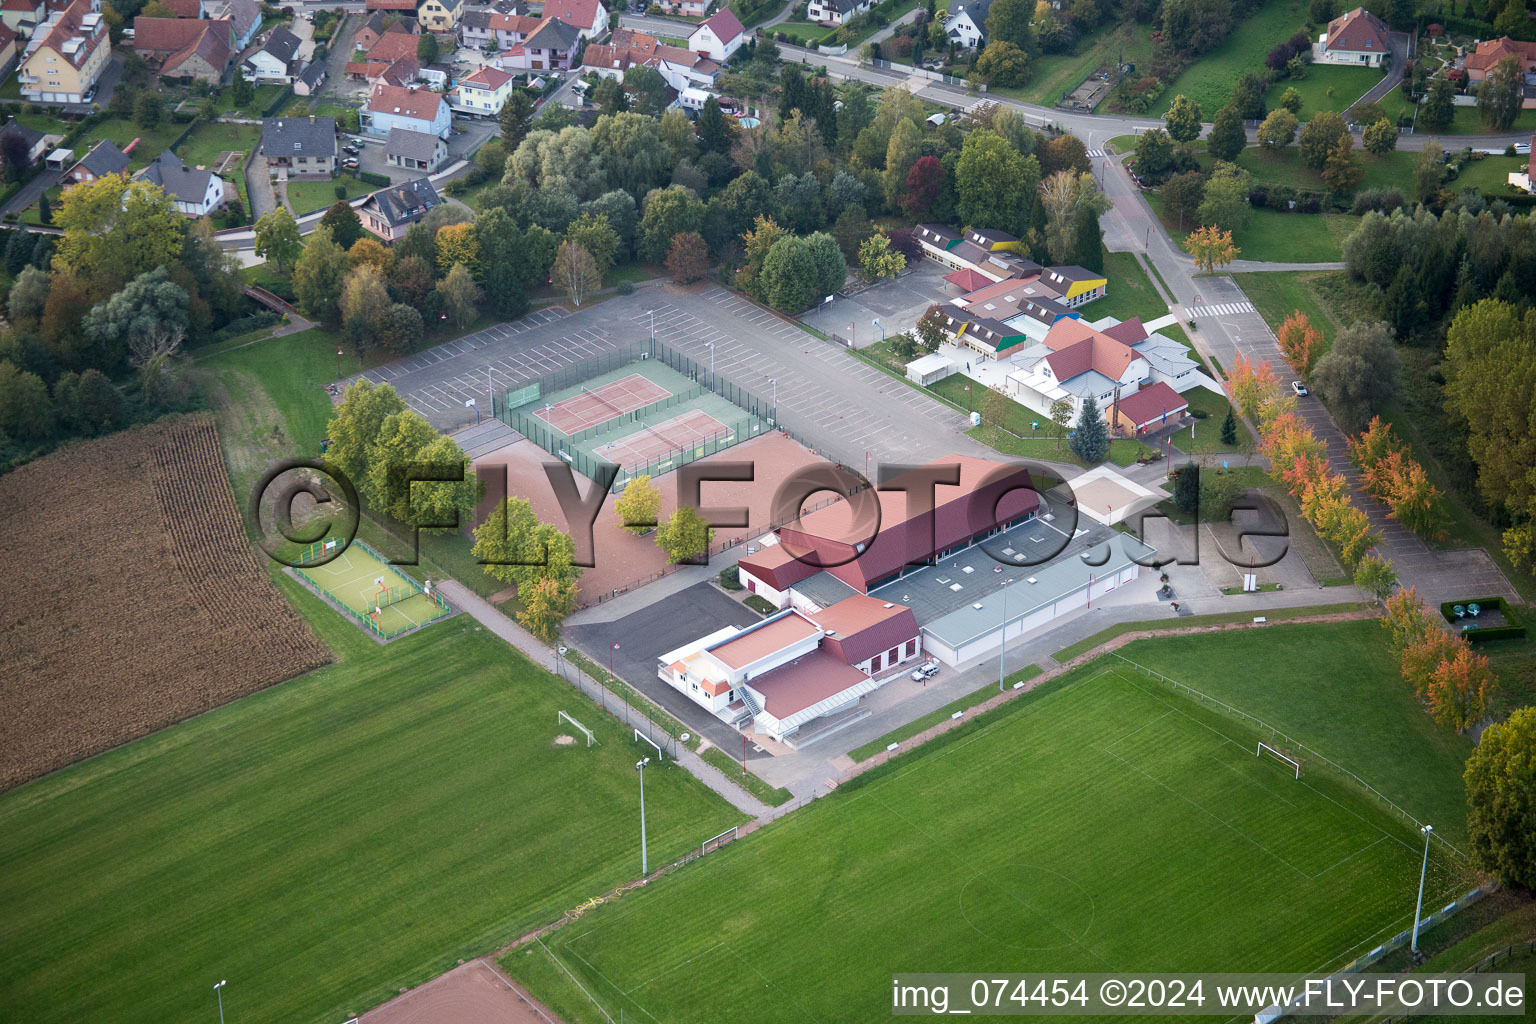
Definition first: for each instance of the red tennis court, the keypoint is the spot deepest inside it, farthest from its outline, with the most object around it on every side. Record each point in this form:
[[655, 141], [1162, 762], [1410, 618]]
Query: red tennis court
[[651, 443], [602, 403]]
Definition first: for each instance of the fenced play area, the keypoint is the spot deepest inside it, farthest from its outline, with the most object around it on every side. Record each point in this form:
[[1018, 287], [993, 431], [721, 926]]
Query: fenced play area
[[646, 409], [361, 582]]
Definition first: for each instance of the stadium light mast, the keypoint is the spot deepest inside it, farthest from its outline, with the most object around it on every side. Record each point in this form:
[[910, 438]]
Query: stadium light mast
[[711, 346], [644, 863], [218, 990], [1002, 647], [1423, 868], [774, 381]]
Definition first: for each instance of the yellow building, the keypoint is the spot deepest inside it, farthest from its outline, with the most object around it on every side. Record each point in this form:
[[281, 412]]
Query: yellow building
[[440, 15], [65, 57]]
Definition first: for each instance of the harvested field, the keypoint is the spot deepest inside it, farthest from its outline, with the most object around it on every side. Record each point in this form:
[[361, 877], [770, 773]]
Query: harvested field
[[133, 598]]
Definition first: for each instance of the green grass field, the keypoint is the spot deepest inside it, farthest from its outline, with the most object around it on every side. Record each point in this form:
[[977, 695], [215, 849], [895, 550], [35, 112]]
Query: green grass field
[[1054, 74], [1466, 120], [1326, 87], [390, 608], [1130, 292], [1279, 237], [325, 842], [1100, 825], [805, 33], [309, 196], [1210, 79], [1277, 294], [1206, 432]]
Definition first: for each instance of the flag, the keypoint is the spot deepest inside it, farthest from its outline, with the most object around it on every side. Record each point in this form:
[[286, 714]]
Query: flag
[[1165, 416]]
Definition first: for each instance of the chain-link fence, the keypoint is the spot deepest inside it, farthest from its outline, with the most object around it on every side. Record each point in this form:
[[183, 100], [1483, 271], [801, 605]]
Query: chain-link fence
[[615, 705]]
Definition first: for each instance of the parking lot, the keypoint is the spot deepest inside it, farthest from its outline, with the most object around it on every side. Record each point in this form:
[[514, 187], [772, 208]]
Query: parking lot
[[897, 303]]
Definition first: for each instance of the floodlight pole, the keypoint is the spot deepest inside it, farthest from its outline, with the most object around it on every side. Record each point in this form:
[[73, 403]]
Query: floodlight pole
[[1002, 647], [711, 346], [338, 362], [644, 862], [1423, 869], [774, 381], [218, 990]]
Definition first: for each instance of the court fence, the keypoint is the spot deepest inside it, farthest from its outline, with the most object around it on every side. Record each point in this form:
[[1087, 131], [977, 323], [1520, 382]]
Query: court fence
[[567, 668], [517, 409], [1296, 748], [405, 590]]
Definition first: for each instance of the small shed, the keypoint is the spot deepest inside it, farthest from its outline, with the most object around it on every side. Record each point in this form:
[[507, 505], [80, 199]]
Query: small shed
[[60, 159], [929, 368]]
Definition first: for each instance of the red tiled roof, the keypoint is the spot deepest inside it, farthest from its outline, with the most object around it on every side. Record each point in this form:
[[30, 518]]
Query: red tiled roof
[[1358, 30], [521, 24], [21, 5], [581, 13], [1078, 348], [422, 104], [393, 45], [1127, 332], [968, 280], [488, 78], [1491, 51], [1147, 406], [808, 680], [774, 565], [860, 627], [390, 5], [154, 35], [68, 27], [185, 8], [723, 23], [7, 36]]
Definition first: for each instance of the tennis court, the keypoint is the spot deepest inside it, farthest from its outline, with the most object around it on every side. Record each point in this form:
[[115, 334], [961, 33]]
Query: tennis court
[[602, 403], [651, 443], [381, 598]]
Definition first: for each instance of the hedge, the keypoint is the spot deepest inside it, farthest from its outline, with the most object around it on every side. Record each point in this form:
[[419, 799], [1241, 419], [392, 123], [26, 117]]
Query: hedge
[[1475, 634]]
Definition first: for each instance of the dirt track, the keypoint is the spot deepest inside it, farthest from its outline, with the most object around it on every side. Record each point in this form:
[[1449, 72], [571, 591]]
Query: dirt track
[[474, 993], [132, 597]]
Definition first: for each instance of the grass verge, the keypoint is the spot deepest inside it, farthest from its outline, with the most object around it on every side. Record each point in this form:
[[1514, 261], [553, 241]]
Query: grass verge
[[934, 717]]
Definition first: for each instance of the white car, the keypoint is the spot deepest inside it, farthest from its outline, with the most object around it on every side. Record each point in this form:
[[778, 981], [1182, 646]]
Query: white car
[[923, 672], [1300, 389]]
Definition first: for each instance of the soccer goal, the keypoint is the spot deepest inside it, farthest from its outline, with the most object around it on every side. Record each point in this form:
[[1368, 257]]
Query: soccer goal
[[1265, 748], [647, 739], [562, 716]]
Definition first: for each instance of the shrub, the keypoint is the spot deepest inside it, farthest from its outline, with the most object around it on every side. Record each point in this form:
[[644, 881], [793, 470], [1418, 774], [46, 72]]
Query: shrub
[[730, 578], [625, 288], [369, 177]]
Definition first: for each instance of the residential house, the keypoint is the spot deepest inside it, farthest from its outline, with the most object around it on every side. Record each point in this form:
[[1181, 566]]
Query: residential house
[[194, 191], [389, 212], [401, 72], [1109, 360], [483, 92], [378, 23], [588, 17], [1490, 51], [100, 160], [683, 70], [410, 107], [184, 8], [440, 15], [718, 36], [9, 50], [244, 17], [37, 143], [23, 16], [415, 151], [509, 7], [277, 62], [404, 8], [475, 30], [550, 47], [393, 45], [837, 12], [686, 8], [65, 56], [310, 78], [967, 22], [509, 30], [1357, 38], [299, 145], [185, 48]]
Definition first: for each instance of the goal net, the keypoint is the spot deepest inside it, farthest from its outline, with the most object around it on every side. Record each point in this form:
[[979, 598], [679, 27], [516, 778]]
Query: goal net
[[563, 717], [1265, 749]]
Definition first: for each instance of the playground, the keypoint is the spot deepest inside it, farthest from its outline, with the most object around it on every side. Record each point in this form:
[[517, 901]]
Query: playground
[[382, 599]]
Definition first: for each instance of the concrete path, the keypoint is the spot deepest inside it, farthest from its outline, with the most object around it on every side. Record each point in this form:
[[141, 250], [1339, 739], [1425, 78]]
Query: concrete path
[[489, 616]]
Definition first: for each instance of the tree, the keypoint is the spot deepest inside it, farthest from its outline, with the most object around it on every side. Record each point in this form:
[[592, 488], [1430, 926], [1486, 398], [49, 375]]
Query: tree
[[1090, 442], [1500, 96], [1278, 130], [1186, 488], [516, 118], [1359, 373], [363, 299], [1182, 195], [1380, 137], [827, 258], [26, 407], [1154, 156], [593, 233], [930, 328], [1342, 170], [1211, 247], [1061, 417], [1460, 688], [688, 259], [876, 260], [427, 49], [686, 534], [716, 133], [1003, 64], [575, 272], [1291, 99], [1501, 799], [1319, 138], [789, 277], [1011, 22], [241, 92], [1300, 341], [1065, 197], [18, 248], [100, 404], [411, 279], [923, 183], [668, 212], [631, 150], [1376, 576], [44, 210], [115, 229], [1226, 198], [1183, 119], [648, 89], [371, 251], [147, 110], [461, 296], [149, 308], [517, 548], [994, 185], [1439, 107], [398, 328], [1229, 428], [343, 223], [638, 505], [1228, 136], [1427, 173], [545, 605], [319, 276], [277, 239], [29, 296]]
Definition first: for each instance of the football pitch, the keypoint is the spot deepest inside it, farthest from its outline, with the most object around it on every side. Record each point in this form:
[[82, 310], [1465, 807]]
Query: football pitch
[[380, 597], [1103, 824]]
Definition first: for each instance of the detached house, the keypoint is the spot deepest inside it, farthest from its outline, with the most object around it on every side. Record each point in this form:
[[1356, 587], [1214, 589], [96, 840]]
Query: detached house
[[378, 23], [65, 56], [440, 15], [587, 17], [1358, 38], [483, 92], [195, 191], [8, 49], [475, 30], [967, 22], [393, 45], [185, 48], [682, 69], [1490, 51], [410, 107], [100, 160], [244, 17], [415, 151], [277, 62], [299, 145], [837, 12], [718, 37], [389, 212], [551, 46]]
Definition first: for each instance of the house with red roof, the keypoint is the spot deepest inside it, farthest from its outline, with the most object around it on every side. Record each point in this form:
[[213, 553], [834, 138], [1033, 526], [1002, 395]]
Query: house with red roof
[[23, 16], [410, 107], [587, 17], [1357, 38], [1490, 51], [185, 48], [483, 92], [718, 36], [393, 45], [682, 69]]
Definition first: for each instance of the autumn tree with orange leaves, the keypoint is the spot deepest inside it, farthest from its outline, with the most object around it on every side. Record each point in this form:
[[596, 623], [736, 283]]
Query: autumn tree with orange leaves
[[1211, 247], [1460, 688], [1392, 476], [1300, 341], [1249, 384], [1453, 681]]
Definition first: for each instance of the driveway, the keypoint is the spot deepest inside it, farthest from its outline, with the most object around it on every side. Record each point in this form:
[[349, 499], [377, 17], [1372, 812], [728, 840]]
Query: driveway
[[1402, 46], [30, 191], [258, 186], [662, 626]]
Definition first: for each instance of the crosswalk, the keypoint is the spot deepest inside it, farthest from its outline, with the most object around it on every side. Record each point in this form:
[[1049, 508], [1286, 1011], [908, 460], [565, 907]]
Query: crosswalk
[[1222, 309], [1096, 152]]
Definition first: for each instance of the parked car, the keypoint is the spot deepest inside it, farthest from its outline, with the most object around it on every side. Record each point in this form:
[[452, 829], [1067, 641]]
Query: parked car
[[350, 164], [925, 671], [1300, 389], [350, 150]]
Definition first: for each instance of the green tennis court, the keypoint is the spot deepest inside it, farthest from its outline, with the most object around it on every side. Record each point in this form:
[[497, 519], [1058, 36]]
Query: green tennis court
[[382, 599]]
